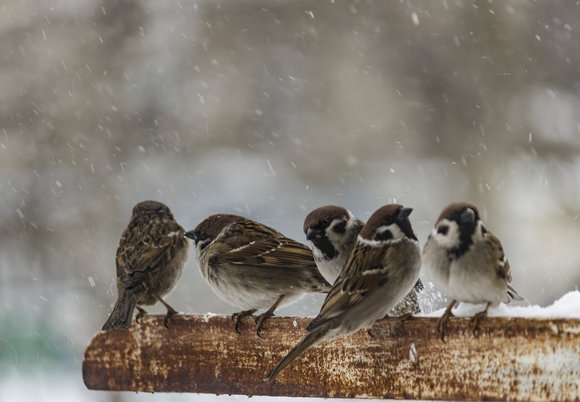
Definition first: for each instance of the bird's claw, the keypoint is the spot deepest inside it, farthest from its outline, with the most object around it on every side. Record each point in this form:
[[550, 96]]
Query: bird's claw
[[140, 313], [442, 326], [260, 321], [476, 321], [442, 323], [441, 329], [168, 317], [237, 319]]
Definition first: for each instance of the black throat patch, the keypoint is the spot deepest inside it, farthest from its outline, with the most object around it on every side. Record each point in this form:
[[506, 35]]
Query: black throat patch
[[325, 246], [465, 239]]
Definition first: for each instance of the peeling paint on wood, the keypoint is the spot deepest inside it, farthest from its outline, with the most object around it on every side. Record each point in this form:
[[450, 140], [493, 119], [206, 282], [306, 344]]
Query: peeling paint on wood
[[512, 359]]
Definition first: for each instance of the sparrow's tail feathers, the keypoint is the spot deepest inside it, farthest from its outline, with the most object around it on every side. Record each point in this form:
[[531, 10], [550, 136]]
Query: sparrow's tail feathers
[[122, 313], [312, 339], [513, 294]]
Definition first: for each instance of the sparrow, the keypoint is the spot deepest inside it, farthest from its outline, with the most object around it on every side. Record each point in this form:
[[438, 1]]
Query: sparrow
[[332, 230], [252, 266], [382, 268], [467, 263], [150, 258]]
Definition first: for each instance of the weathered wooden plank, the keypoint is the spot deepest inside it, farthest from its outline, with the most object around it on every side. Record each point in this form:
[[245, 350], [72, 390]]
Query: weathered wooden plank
[[512, 359]]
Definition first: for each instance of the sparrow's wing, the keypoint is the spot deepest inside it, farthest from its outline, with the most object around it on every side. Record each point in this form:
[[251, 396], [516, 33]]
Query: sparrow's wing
[[501, 263], [503, 268], [250, 243], [366, 270], [140, 254]]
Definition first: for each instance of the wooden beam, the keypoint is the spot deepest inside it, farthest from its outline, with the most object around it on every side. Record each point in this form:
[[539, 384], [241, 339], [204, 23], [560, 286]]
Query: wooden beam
[[512, 359]]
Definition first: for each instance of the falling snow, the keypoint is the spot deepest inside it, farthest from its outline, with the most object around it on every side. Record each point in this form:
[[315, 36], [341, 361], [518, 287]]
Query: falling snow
[[270, 110], [415, 19]]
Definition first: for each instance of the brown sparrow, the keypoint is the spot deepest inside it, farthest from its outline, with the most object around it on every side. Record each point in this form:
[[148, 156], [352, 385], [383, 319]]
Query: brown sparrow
[[333, 231], [467, 262], [252, 266], [382, 268], [150, 258]]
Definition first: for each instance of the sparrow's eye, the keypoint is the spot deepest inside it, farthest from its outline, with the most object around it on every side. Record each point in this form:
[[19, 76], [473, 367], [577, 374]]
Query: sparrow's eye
[[339, 227], [201, 237], [443, 229]]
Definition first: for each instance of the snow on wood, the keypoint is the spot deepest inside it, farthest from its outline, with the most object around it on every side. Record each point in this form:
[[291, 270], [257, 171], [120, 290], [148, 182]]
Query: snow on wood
[[568, 306]]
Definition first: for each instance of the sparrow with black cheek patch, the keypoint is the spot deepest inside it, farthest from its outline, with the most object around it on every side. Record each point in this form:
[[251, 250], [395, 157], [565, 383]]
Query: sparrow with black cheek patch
[[382, 268], [467, 262], [150, 259], [333, 231], [252, 266]]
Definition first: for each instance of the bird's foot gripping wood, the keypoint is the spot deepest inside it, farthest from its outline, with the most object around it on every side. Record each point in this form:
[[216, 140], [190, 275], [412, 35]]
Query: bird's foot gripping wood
[[170, 312], [476, 320], [261, 319], [442, 323], [238, 317], [140, 313]]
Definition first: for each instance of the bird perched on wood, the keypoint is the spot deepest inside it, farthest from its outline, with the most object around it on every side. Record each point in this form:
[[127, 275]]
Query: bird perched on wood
[[333, 231], [467, 262], [252, 266], [382, 268], [150, 258]]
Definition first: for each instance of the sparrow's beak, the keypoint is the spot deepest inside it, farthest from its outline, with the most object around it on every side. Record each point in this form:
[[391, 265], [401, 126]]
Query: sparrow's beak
[[404, 213], [468, 216], [191, 235], [312, 234]]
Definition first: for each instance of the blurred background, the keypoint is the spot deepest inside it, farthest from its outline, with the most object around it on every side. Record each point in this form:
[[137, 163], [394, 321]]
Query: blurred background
[[267, 109]]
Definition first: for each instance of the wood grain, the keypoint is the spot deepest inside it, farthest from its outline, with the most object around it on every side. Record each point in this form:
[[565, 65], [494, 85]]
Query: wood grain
[[512, 359]]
